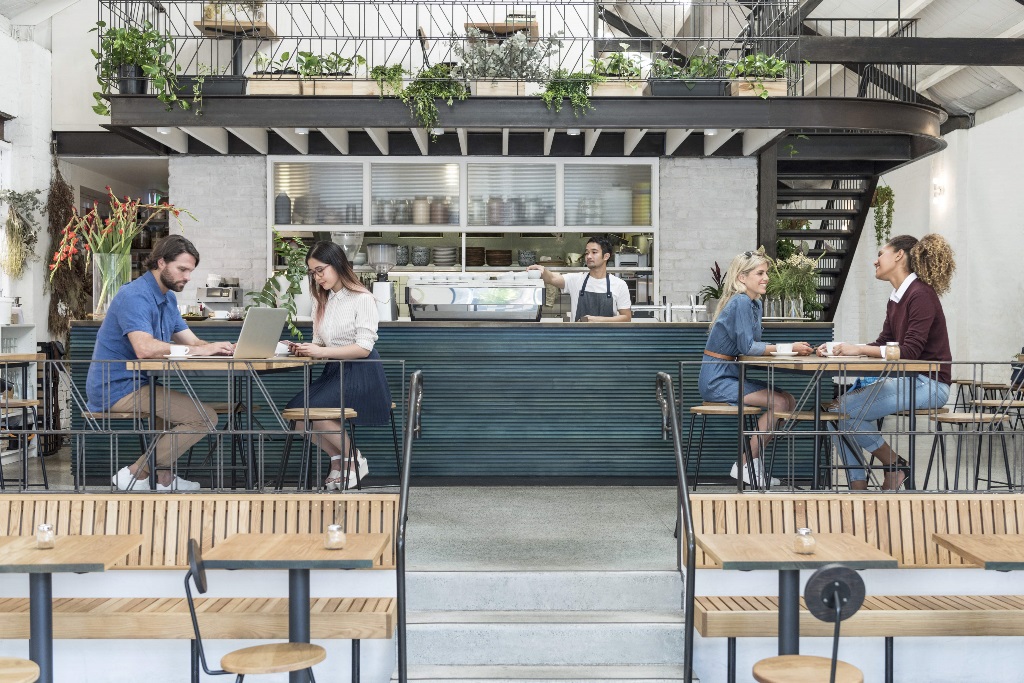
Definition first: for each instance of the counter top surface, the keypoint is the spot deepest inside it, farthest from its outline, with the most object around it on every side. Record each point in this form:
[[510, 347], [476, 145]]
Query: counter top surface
[[492, 324]]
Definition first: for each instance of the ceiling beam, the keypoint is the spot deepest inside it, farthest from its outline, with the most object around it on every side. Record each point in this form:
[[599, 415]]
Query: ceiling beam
[[337, 137], [463, 140], [504, 142], [674, 137], [173, 138], [756, 140], [422, 138], [380, 138], [959, 52], [254, 137], [590, 136], [299, 142], [712, 143], [214, 138], [549, 137], [631, 139], [1012, 35]]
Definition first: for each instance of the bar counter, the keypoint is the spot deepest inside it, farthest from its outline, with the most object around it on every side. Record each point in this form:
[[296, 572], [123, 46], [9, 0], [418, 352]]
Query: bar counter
[[548, 399]]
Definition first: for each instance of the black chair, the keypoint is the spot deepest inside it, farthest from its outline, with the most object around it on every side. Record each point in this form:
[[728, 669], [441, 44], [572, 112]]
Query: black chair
[[833, 593], [260, 659]]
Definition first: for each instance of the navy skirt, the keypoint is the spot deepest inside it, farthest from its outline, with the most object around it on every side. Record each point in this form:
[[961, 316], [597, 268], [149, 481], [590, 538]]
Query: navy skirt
[[366, 390]]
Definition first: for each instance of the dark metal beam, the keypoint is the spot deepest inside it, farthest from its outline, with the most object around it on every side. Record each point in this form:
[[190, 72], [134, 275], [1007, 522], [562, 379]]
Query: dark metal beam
[[824, 147], [767, 198], [959, 122], [109, 143], [899, 50]]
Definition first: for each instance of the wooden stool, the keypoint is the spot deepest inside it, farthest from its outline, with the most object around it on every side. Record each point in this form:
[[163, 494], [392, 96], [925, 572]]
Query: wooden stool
[[804, 669], [963, 421], [1005, 405], [394, 439], [14, 670], [306, 416], [707, 410], [25, 406], [105, 418], [823, 440]]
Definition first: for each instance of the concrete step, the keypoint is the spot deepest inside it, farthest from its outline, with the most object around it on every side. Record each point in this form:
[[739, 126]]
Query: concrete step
[[576, 590], [546, 638], [638, 673]]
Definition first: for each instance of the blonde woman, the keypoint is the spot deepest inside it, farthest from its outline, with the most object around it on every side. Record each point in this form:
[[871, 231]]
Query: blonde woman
[[736, 331], [920, 272]]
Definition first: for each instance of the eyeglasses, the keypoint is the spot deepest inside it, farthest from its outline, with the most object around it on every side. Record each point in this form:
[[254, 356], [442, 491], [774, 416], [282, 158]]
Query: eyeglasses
[[748, 254], [319, 270]]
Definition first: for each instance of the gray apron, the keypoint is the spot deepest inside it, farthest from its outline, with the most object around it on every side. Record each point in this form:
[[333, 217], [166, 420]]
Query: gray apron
[[595, 303]]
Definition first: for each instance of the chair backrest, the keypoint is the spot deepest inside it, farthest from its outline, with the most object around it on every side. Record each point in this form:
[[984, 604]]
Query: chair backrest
[[197, 574], [196, 565], [834, 593]]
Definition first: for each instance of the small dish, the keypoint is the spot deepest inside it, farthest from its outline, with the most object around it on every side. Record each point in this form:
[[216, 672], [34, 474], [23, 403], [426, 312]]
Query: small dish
[[780, 353]]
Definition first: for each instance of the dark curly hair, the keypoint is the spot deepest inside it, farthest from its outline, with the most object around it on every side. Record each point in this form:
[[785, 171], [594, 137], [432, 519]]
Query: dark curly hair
[[930, 257]]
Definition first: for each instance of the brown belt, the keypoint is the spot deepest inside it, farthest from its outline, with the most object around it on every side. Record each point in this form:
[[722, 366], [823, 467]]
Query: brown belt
[[720, 356]]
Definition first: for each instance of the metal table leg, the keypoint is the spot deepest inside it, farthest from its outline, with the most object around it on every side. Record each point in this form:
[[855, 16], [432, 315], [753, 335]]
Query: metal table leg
[[298, 615], [152, 426], [789, 611], [912, 424], [40, 639]]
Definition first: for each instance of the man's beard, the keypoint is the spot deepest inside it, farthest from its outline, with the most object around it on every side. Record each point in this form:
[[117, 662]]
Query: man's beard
[[169, 282]]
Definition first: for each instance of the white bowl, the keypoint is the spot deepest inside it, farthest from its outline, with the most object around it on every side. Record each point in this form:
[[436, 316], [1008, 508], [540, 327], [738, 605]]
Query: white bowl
[[533, 274]]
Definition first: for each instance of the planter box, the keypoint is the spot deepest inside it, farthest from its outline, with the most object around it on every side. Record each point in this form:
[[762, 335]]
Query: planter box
[[675, 87], [618, 88], [212, 85], [503, 88], [776, 87], [274, 85]]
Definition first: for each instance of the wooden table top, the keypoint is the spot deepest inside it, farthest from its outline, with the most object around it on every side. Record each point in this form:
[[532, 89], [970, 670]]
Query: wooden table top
[[849, 364], [294, 551], [18, 554], [219, 363], [775, 551], [1000, 552]]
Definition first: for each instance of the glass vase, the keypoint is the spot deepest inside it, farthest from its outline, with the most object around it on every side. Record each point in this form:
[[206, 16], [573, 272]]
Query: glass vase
[[794, 307], [109, 272]]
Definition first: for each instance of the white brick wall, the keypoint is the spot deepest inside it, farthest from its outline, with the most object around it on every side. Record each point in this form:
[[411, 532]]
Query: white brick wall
[[228, 196], [708, 213]]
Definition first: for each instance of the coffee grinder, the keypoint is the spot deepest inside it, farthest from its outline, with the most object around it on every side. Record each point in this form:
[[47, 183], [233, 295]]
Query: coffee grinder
[[382, 258]]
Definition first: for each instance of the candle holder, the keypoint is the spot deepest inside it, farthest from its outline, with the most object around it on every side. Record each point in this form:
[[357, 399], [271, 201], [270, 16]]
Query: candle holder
[[45, 538], [334, 537]]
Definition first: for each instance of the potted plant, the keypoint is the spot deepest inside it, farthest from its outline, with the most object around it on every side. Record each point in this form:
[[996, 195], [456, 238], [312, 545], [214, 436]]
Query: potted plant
[[884, 203], [621, 72], [275, 76], [795, 280], [515, 66], [759, 75], [390, 80], [208, 81], [278, 294], [21, 230], [710, 294], [129, 58], [323, 75], [430, 85], [701, 76], [108, 243], [574, 87]]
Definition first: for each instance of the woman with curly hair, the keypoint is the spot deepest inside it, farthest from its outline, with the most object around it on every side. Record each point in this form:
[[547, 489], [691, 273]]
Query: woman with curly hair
[[919, 271]]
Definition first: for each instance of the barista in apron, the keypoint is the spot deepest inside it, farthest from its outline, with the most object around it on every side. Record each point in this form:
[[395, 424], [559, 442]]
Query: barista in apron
[[595, 303]]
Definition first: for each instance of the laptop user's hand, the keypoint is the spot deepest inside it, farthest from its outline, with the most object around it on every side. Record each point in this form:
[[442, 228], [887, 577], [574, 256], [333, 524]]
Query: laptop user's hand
[[306, 349], [221, 348]]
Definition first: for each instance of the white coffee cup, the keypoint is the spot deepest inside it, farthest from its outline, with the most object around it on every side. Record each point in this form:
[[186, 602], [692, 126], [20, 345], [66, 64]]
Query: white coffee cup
[[533, 274], [178, 350], [281, 349], [220, 315], [830, 347], [784, 348]]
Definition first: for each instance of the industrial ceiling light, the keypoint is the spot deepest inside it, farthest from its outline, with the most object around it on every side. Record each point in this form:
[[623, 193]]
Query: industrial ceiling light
[[437, 131], [710, 131], [573, 131], [302, 131], [163, 130]]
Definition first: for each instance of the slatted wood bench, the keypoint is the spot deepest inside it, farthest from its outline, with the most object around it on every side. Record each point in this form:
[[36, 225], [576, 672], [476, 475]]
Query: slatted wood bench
[[167, 522], [898, 524]]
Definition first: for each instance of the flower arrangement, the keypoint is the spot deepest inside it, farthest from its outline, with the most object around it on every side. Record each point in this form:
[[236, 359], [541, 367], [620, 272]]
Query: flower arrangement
[[95, 236], [793, 277]]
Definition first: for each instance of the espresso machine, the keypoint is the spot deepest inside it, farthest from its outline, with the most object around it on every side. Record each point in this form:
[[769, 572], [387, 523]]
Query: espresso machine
[[382, 258]]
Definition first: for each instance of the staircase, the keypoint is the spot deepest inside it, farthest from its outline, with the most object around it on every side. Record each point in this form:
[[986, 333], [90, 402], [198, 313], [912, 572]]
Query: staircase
[[832, 209], [530, 626]]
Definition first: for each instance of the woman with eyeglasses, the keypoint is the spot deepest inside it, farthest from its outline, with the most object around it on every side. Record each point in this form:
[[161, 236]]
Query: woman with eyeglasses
[[920, 272], [736, 331], [344, 328]]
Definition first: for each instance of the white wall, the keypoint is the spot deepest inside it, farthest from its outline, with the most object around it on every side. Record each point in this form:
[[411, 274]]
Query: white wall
[[982, 215], [74, 69]]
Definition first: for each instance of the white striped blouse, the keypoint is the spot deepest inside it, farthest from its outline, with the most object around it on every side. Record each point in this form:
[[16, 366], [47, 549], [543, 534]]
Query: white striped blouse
[[350, 318]]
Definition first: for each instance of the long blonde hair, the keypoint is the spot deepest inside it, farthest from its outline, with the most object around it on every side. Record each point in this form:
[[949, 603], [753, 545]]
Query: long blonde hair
[[741, 265]]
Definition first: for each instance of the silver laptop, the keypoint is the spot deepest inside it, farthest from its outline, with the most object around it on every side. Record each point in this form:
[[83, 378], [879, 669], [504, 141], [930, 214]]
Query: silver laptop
[[260, 333]]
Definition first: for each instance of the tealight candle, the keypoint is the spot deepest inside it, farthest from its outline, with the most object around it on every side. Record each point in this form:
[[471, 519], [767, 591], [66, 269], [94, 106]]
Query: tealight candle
[[803, 542], [45, 537], [334, 538]]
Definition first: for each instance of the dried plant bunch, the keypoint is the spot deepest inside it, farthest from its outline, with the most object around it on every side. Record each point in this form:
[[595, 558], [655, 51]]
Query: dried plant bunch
[[21, 230], [517, 57]]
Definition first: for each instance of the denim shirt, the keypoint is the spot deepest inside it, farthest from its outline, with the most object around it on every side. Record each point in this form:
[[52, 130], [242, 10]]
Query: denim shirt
[[737, 331], [138, 306]]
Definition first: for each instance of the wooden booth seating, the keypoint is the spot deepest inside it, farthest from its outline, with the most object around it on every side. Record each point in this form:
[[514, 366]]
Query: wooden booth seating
[[898, 524], [166, 522]]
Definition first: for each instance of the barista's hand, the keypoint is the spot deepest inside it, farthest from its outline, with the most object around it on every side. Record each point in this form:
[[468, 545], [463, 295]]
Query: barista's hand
[[537, 266], [221, 348], [309, 350]]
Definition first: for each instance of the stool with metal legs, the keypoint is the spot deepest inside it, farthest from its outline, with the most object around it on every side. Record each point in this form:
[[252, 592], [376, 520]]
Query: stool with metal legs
[[248, 468], [306, 416], [102, 421], [23, 438], [15, 670], [964, 422], [824, 440], [394, 438], [749, 414]]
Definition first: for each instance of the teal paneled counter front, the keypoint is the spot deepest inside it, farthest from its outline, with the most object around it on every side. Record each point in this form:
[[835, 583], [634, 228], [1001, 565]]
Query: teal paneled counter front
[[515, 399]]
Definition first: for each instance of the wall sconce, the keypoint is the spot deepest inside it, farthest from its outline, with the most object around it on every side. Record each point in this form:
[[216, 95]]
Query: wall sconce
[[163, 130], [302, 131], [710, 131], [572, 131], [938, 189], [437, 131]]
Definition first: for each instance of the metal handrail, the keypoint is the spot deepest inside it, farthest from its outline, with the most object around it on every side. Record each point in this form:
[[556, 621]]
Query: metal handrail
[[411, 431]]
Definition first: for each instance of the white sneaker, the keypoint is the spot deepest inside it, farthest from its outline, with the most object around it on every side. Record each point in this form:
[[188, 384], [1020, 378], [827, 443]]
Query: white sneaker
[[758, 472], [761, 475], [124, 480], [179, 484]]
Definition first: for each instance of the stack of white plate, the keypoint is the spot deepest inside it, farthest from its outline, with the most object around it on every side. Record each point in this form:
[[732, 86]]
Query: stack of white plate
[[446, 256]]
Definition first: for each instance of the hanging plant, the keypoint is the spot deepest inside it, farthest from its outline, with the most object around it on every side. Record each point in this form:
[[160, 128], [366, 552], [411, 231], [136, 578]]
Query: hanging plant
[[574, 87], [69, 299], [883, 203], [21, 230], [432, 84]]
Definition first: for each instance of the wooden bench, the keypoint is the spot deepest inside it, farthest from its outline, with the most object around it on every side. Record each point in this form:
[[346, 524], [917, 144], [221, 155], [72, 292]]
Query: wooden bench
[[898, 524], [167, 522]]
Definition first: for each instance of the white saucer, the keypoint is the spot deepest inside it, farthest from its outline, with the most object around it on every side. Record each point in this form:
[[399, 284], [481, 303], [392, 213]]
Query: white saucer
[[170, 357], [780, 353]]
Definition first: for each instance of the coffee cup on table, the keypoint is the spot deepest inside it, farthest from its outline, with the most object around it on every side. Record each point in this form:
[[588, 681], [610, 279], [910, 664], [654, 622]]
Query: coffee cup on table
[[830, 348], [178, 351], [784, 348]]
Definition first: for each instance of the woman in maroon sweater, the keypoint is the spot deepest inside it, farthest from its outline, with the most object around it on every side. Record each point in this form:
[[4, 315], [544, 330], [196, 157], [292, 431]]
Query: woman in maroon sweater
[[920, 272]]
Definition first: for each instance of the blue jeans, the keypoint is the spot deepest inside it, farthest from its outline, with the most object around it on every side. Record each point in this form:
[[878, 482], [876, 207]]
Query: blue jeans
[[865, 406]]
